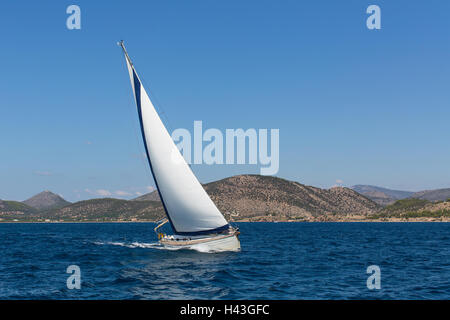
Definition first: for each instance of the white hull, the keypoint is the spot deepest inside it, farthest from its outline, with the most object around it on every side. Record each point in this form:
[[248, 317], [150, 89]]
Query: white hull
[[213, 244]]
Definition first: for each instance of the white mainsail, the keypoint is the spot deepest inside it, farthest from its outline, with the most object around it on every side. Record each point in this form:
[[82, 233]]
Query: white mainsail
[[188, 207]]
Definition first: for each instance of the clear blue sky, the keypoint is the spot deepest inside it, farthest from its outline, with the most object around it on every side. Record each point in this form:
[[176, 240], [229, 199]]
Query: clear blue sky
[[352, 104]]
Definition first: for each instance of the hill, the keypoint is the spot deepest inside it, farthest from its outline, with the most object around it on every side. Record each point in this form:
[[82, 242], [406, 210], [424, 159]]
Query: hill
[[46, 200], [15, 206], [105, 209], [433, 195], [415, 209], [14, 210], [255, 197], [382, 196], [151, 196]]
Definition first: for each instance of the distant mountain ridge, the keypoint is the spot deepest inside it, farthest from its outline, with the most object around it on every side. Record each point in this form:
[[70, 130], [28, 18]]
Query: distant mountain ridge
[[385, 196], [382, 196], [247, 198], [399, 194], [242, 198], [433, 195]]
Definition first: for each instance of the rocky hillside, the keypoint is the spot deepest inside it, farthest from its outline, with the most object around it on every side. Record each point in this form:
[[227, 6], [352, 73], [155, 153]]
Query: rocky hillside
[[254, 197], [46, 200]]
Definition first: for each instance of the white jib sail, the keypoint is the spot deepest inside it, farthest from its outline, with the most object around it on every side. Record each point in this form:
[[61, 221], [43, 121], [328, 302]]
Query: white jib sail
[[189, 208]]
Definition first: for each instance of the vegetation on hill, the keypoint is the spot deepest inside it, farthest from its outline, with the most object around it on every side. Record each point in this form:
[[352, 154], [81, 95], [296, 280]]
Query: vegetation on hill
[[414, 208], [95, 210], [406, 205], [107, 209], [14, 210], [15, 206]]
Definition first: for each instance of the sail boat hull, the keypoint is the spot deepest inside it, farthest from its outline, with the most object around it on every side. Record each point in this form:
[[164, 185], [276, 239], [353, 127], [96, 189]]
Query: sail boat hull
[[215, 243]]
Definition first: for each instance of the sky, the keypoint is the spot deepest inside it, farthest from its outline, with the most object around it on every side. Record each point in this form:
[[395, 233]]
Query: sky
[[352, 105]]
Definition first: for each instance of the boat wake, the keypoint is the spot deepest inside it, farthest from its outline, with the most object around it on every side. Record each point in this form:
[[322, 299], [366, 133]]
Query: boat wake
[[131, 245], [153, 245]]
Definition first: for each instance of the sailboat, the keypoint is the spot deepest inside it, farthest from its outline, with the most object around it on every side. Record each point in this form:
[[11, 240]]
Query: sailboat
[[196, 221]]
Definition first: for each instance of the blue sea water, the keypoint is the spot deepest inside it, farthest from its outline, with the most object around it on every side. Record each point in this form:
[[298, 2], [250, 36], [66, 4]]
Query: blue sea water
[[277, 261]]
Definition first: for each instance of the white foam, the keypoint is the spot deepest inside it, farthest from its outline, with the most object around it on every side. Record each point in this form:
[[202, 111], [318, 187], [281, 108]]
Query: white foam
[[131, 245], [155, 245]]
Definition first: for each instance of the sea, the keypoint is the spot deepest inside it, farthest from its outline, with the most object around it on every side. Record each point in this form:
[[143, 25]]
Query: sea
[[277, 261]]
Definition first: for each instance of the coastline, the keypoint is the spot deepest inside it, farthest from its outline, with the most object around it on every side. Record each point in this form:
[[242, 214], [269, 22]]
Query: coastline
[[394, 220]]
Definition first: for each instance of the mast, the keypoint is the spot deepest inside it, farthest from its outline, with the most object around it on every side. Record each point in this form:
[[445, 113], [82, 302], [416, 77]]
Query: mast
[[121, 44]]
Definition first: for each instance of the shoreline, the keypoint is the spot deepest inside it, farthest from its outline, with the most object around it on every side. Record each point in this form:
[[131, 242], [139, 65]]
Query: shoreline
[[281, 221]]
